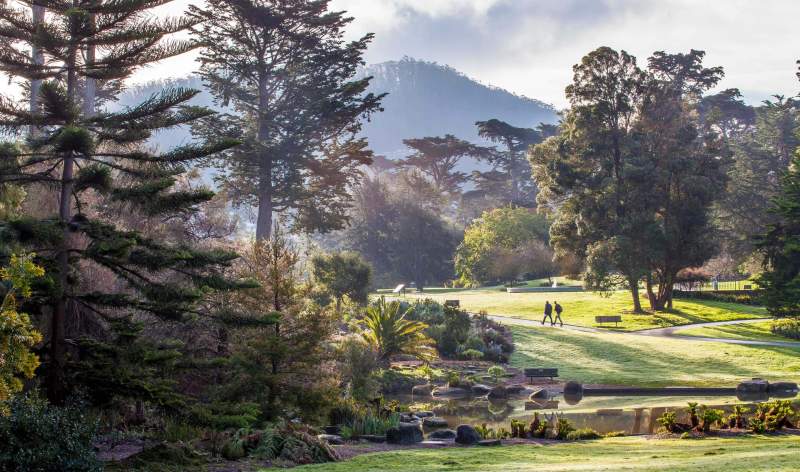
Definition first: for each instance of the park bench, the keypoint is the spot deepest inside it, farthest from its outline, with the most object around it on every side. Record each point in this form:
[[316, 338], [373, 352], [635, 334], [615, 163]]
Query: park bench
[[452, 303], [541, 373], [608, 319], [400, 289]]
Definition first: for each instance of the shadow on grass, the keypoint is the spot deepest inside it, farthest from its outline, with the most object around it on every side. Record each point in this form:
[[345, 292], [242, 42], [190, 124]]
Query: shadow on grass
[[591, 359]]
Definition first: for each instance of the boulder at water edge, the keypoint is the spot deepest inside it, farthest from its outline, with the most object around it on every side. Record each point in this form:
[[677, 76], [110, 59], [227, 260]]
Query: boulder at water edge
[[467, 435], [404, 433]]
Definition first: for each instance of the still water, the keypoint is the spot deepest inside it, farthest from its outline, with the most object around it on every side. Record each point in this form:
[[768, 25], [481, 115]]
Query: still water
[[604, 414]]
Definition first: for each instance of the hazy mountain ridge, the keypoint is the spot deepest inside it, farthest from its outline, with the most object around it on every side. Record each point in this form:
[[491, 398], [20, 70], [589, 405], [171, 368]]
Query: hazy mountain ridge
[[425, 99]]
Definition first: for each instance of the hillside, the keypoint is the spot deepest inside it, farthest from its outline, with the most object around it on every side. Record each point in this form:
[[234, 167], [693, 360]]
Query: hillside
[[425, 99]]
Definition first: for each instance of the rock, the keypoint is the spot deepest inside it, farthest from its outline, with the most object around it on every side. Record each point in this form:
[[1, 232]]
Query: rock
[[540, 394], [480, 390], [404, 433], [515, 389], [334, 439], [424, 389], [423, 414], [373, 438], [498, 392], [467, 435], [434, 422], [332, 430], [408, 418], [443, 434], [489, 442], [450, 392]]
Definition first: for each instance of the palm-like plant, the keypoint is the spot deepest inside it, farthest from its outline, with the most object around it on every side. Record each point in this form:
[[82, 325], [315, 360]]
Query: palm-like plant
[[388, 330]]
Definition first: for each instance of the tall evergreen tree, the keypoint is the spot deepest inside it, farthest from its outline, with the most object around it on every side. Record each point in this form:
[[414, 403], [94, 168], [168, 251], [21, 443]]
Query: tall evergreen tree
[[512, 162], [78, 154], [285, 69], [438, 157]]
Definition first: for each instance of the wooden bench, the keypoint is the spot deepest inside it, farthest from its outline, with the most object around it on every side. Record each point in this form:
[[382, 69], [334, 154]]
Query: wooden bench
[[608, 319], [452, 303], [541, 373], [400, 289]]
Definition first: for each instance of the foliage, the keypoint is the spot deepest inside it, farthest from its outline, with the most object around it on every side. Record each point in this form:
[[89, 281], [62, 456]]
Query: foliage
[[95, 172], [632, 174], [583, 434], [387, 329], [358, 363], [497, 373], [709, 417], [290, 76], [668, 420], [279, 356], [509, 228], [780, 281], [736, 418], [437, 158], [344, 274], [563, 428], [788, 328], [17, 334], [38, 437], [358, 419], [402, 235]]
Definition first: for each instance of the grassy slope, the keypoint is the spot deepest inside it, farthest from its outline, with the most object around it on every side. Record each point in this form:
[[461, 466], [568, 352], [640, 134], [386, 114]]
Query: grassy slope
[[580, 308], [750, 331], [631, 453], [650, 361]]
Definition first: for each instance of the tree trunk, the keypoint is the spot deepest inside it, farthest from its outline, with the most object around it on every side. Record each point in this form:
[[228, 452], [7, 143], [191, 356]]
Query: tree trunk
[[633, 285], [265, 207], [37, 57], [90, 87], [55, 372]]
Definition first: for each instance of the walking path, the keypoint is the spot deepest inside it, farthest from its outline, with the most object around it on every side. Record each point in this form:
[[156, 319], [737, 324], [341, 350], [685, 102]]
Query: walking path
[[662, 332]]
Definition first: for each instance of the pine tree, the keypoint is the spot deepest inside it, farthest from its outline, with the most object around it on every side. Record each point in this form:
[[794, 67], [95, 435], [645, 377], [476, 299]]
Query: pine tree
[[438, 157], [82, 156], [285, 69], [781, 245]]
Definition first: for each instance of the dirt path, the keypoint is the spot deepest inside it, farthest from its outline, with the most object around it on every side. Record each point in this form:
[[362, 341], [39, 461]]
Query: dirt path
[[661, 332]]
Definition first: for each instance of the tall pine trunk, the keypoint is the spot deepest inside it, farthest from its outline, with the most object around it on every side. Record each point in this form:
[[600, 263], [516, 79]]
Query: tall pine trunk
[[55, 377], [265, 207], [37, 57]]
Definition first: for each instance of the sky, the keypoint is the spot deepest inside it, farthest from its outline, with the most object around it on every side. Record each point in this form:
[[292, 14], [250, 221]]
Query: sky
[[529, 46]]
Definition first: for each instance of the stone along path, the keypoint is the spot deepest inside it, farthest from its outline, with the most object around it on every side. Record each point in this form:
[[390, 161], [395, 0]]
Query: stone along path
[[662, 332]]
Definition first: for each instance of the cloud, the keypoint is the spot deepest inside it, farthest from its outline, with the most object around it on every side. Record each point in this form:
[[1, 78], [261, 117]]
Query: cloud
[[529, 46]]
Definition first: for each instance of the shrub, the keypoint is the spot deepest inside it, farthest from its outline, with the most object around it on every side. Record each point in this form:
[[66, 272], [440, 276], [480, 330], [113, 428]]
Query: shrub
[[518, 429], [497, 373], [757, 426], [583, 434], [615, 434], [709, 417], [36, 436], [787, 327], [563, 428], [668, 420], [472, 354]]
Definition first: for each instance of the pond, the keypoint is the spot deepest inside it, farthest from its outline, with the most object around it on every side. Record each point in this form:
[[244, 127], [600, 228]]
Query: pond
[[629, 414]]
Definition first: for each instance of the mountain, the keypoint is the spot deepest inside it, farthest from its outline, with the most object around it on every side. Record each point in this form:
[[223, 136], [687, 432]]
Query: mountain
[[428, 99], [425, 99]]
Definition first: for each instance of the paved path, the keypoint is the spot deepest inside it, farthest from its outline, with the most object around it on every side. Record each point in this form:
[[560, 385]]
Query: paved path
[[662, 332]]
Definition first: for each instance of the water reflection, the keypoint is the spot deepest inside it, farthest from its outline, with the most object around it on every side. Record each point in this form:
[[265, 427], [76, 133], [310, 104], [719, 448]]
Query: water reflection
[[635, 413]]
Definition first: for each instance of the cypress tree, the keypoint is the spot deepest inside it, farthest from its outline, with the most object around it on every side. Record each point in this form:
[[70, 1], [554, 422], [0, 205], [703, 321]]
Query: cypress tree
[[79, 156], [290, 79]]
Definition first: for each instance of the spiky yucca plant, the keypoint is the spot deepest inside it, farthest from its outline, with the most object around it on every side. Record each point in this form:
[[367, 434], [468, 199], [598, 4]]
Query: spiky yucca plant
[[388, 330]]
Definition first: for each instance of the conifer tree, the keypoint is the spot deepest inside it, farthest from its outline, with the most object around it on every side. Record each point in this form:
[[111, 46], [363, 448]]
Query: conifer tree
[[289, 77], [438, 157], [78, 154]]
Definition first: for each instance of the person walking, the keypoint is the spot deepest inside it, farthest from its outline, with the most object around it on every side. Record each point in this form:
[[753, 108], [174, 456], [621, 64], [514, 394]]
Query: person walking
[[559, 309], [548, 312]]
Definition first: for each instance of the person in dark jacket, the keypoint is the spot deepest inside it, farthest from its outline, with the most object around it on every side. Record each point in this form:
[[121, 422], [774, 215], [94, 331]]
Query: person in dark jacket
[[548, 312], [559, 309]]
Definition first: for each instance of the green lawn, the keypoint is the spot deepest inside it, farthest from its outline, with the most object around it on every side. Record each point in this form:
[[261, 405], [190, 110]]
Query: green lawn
[[580, 308], [779, 453], [749, 331], [610, 358]]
